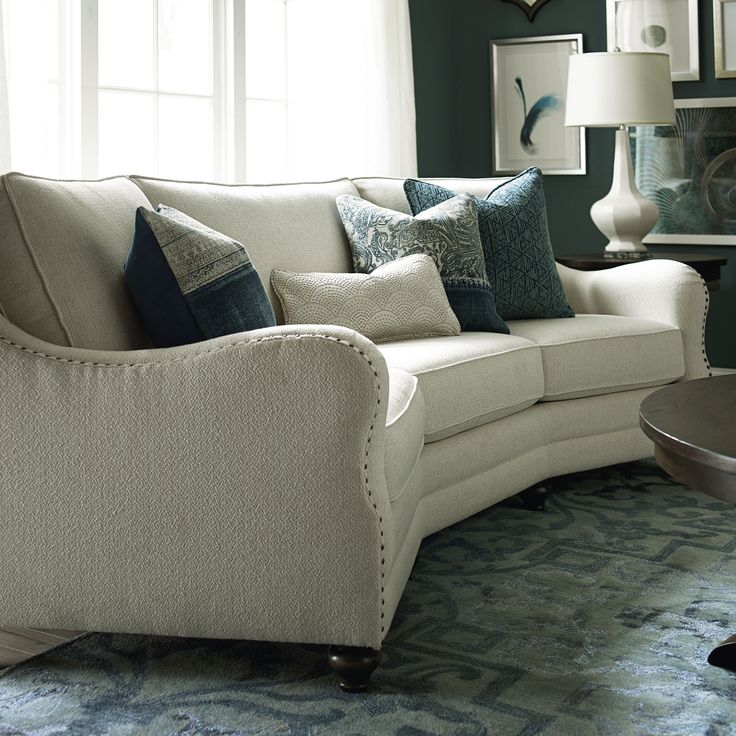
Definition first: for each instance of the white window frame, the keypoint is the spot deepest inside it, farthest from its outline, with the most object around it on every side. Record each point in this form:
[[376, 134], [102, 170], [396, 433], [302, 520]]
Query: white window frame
[[79, 59]]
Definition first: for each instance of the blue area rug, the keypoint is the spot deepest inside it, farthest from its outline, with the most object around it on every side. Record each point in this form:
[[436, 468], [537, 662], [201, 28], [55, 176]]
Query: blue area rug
[[594, 617]]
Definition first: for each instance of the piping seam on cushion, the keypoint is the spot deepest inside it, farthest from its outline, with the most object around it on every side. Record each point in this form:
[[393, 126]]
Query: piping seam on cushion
[[533, 346], [414, 390], [429, 437], [34, 260], [604, 338], [618, 388]]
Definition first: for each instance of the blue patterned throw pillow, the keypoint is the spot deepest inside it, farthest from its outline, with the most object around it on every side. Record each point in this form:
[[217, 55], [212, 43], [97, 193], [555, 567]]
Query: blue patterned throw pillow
[[447, 233], [519, 261], [190, 283]]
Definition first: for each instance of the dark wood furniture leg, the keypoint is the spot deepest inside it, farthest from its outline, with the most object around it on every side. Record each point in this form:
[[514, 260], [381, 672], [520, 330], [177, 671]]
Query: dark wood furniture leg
[[354, 666], [535, 498]]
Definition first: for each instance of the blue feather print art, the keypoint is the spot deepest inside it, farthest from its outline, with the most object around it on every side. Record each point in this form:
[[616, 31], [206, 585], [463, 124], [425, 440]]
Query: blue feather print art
[[544, 106]]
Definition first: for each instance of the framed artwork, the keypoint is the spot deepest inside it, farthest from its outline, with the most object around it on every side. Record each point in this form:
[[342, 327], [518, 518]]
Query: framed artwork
[[530, 7], [529, 88], [724, 37], [663, 26], [689, 171]]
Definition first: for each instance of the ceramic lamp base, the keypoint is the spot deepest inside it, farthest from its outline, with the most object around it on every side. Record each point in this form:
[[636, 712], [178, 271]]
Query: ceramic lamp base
[[624, 215]]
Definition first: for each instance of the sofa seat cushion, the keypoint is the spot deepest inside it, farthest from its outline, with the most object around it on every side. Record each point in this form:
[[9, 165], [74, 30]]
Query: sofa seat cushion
[[596, 354], [470, 379], [404, 430]]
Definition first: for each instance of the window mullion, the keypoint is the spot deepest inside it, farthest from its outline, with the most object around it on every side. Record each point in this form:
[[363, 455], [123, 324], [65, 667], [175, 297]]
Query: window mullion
[[239, 92], [219, 101], [89, 102], [156, 87], [287, 111]]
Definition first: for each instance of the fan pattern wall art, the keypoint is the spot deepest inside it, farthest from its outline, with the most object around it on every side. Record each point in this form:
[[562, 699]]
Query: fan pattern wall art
[[689, 172]]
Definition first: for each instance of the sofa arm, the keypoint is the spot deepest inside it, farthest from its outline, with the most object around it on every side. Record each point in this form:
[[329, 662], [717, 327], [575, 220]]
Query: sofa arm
[[232, 488], [659, 290]]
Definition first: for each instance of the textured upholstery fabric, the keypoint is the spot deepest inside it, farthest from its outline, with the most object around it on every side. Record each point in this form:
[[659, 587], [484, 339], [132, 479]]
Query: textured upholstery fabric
[[299, 514], [471, 470], [598, 354], [448, 233], [389, 192], [404, 430], [294, 227], [401, 299], [62, 249], [518, 254], [664, 291], [470, 379], [189, 282], [160, 503]]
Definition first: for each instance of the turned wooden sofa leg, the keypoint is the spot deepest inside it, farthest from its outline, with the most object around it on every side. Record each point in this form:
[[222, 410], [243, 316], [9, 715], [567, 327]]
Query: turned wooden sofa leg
[[535, 498], [354, 666]]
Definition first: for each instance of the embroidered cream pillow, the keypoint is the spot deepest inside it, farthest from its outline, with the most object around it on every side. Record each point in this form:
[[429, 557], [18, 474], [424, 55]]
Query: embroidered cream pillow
[[400, 300]]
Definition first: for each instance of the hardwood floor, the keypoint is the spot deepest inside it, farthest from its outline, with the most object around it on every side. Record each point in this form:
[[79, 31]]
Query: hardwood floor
[[19, 644]]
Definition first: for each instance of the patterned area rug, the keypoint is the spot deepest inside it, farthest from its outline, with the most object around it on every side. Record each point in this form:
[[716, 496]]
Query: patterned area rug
[[594, 617]]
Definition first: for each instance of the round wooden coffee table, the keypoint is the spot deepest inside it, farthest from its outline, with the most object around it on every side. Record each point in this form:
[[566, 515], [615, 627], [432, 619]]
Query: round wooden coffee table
[[693, 426]]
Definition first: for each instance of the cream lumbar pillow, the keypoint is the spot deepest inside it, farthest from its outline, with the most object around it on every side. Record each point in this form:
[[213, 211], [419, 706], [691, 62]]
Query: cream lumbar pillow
[[400, 300]]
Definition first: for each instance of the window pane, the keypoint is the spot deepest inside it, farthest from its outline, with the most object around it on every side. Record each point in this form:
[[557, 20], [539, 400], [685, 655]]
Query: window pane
[[185, 46], [126, 43], [265, 141], [126, 133], [265, 48], [31, 35], [185, 143]]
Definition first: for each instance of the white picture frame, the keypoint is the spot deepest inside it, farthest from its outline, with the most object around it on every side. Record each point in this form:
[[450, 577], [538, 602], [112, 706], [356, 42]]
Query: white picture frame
[[724, 38], [528, 93], [659, 26]]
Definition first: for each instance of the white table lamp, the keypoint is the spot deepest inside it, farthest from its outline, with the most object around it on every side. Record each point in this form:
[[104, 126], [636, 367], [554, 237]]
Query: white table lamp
[[616, 90]]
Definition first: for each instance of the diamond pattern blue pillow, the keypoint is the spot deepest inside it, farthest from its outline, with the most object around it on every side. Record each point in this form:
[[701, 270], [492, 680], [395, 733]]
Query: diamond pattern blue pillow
[[190, 283], [448, 233], [519, 261]]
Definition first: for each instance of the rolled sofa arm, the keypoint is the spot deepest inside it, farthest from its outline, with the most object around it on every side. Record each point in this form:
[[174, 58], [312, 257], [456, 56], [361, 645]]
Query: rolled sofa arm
[[232, 488], [659, 290]]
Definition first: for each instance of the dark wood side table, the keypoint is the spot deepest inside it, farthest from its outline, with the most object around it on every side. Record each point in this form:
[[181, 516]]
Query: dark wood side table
[[709, 267], [693, 426]]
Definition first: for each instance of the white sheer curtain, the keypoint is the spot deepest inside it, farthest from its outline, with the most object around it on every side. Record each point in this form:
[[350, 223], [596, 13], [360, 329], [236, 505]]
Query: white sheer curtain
[[4, 110], [351, 89], [347, 107]]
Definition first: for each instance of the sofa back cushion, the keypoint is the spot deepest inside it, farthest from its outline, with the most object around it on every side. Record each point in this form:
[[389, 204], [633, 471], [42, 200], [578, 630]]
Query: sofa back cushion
[[293, 227], [389, 192], [62, 249]]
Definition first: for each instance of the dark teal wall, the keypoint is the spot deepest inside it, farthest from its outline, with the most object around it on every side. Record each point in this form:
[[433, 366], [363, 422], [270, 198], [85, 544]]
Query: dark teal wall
[[452, 81]]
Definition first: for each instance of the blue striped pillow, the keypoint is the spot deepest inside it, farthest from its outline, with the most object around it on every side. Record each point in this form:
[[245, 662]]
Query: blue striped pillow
[[189, 282]]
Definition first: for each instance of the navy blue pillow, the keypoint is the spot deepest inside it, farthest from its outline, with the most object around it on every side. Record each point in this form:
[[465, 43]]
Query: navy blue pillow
[[190, 283], [520, 264]]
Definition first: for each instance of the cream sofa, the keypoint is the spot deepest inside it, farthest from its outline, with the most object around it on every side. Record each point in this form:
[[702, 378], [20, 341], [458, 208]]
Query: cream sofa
[[276, 484]]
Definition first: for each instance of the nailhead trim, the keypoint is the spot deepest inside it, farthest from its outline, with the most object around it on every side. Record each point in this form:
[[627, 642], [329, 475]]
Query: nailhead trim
[[368, 487], [705, 317], [239, 343]]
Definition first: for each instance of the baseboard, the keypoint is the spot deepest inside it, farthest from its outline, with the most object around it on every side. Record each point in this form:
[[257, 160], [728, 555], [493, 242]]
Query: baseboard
[[722, 371]]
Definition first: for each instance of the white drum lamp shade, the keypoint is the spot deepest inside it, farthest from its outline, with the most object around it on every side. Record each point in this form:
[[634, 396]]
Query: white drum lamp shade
[[615, 90]]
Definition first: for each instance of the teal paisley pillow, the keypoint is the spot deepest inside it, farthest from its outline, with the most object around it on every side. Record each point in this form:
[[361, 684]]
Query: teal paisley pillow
[[519, 261], [448, 233]]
